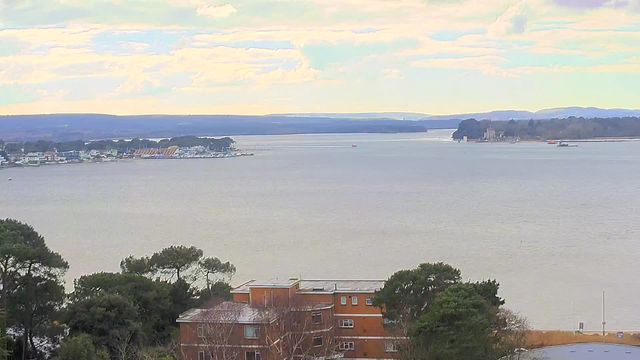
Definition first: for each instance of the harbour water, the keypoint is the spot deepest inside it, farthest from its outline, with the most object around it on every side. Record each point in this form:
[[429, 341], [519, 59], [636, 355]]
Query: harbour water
[[555, 226]]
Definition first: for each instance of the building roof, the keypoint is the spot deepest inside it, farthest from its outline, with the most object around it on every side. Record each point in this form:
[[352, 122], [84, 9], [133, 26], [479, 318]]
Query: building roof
[[305, 286], [230, 312], [333, 286], [273, 283], [155, 151], [587, 351]]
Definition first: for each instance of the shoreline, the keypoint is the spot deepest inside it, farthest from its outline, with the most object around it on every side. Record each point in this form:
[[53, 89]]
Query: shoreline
[[594, 140], [23, 166]]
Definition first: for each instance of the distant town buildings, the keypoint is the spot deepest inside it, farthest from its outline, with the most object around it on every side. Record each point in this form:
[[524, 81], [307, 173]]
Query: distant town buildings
[[76, 156], [304, 319]]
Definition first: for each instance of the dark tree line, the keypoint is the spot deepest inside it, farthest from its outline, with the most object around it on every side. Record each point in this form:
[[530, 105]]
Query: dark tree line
[[444, 318], [121, 145], [553, 129], [127, 315]]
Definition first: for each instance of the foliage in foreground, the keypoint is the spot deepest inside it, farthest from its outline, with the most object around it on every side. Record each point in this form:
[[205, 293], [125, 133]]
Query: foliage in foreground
[[129, 315], [444, 318]]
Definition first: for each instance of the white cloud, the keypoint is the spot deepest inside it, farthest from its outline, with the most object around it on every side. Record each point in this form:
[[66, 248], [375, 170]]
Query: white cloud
[[392, 74], [512, 21], [487, 63], [216, 11]]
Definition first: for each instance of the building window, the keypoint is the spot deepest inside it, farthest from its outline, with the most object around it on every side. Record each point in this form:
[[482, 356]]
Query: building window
[[252, 355], [200, 330], [390, 347], [354, 300], [317, 317], [317, 341], [369, 301], [343, 300], [346, 323], [347, 346], [251, 332], [201, 355]]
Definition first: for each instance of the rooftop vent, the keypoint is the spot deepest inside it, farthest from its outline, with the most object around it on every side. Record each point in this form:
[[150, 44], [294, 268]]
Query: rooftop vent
[[318, 289]]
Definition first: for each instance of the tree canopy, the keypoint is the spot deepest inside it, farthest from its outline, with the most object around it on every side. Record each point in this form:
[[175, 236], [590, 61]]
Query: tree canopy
[[31, 282], [107, 319], [447, 319], [458, 325], [108, 315], [176, 261], [80, 347], [408, 293]]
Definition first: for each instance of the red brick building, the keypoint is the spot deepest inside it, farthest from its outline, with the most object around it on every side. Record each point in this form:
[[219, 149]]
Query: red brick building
[[290, 319]]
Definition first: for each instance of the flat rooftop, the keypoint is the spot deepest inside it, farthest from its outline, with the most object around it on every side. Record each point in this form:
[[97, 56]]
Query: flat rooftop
[[587, 351], [315, 285], [368, 286], [274, 283], [229, 312]]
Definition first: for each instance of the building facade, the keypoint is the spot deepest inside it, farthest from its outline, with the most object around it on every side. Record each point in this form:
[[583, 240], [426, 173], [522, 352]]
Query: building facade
[[290, 319]]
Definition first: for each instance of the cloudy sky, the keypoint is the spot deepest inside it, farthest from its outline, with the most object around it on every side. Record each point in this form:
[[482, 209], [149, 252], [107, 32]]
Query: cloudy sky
[[267, 56]]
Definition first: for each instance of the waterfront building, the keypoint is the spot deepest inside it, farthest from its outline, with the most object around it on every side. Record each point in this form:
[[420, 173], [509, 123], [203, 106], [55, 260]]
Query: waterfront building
[[51, 156], [34, 158], [72, 155], [490, 134], [266, 320]]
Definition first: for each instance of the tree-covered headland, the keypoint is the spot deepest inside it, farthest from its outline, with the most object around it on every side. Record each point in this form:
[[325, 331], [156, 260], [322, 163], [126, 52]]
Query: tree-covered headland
[[571, 128], [121, 145]]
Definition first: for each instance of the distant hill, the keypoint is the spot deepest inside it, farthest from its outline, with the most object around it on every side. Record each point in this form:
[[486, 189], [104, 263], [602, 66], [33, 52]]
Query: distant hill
[[367, 115], [564, 112], [493, 115], [555, 113], [65, 127]]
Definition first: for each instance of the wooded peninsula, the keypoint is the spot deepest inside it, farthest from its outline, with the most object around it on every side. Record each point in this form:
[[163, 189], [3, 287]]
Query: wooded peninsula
[[571, 128]]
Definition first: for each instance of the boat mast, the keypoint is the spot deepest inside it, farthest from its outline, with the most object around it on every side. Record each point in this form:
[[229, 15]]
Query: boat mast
[[604, 323]]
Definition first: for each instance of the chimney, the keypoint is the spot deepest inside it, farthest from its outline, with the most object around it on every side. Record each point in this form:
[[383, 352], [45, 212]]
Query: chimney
[[335, 286]]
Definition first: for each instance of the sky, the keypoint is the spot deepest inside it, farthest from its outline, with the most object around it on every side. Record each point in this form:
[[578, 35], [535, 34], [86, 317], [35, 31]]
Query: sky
[[276, 56]]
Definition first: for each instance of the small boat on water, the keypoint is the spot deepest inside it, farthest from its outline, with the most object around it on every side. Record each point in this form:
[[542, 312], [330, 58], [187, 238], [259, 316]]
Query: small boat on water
[[9, 179], [354, 145], [563, 144], [551, 142]]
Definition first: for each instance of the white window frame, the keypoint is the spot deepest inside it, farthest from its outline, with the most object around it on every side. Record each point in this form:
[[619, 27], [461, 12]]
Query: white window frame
[[346, 323], [369, 300], [317, 313], [257, 355], [201, 355], [390, 347], [347, 346], [343, 300], [200, 330], [354, 300], [256, 329], [313, 341]]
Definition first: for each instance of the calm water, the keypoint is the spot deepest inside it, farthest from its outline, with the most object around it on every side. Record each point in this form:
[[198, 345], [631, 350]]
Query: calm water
[[555, 226]]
